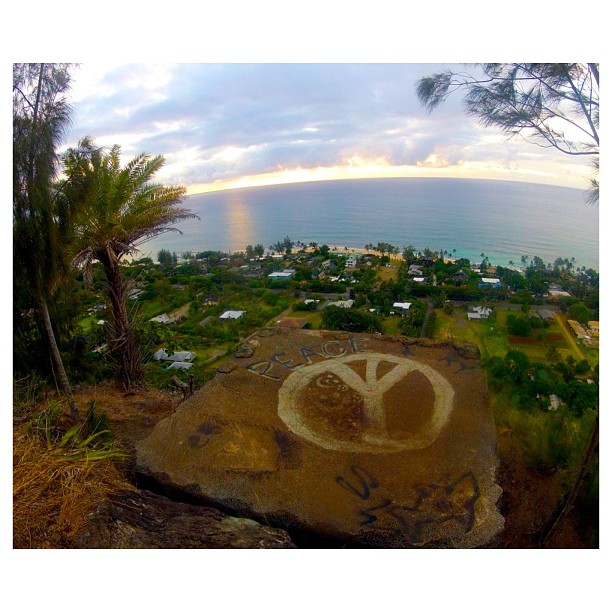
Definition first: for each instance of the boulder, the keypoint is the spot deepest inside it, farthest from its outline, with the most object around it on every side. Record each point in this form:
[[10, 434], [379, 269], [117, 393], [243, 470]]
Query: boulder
[[352, 437], [141, 519]]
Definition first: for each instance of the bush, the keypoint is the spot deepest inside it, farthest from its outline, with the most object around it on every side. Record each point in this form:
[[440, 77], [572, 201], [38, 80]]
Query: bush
[[582, 367], [518, 326], [350, 320]]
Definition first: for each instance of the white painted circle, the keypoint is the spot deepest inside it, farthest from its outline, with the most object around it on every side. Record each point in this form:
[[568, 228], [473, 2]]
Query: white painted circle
[[376, 439]]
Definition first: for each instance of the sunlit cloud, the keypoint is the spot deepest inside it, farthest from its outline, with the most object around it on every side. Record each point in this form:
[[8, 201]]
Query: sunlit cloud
[[222, 126]]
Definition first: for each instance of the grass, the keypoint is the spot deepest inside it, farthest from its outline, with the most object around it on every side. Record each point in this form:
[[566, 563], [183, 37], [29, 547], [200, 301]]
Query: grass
[[58, 479], [491, 336], [152, 308], [87, 323], [385, 273], [444, 324], [390, 326], [314, 318], [545, 439]]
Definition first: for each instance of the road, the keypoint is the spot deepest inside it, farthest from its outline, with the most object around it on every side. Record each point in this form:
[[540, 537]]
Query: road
[[568, 336]]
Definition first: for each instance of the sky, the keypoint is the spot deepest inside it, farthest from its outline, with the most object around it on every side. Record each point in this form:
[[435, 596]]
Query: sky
[[225, 125]]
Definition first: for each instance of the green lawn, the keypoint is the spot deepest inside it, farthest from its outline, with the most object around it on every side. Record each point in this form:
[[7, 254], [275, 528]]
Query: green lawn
[[314, 318], [152, 308], [390, 326], [87, 323], [491, 336], [444, 324]]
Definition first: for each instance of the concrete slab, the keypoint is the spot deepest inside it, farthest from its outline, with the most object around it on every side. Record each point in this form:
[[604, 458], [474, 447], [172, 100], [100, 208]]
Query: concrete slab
[[374, 440]]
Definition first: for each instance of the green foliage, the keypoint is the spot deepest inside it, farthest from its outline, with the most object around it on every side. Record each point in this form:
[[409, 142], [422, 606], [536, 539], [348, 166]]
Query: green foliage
[[579, 312], [582, 367], [336, 318], [90, 440], [518, 326], [164, 257], [411, 323], [301, 306]]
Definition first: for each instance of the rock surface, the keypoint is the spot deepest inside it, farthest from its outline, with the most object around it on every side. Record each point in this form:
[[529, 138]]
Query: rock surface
[[367, 439], [140, 519]]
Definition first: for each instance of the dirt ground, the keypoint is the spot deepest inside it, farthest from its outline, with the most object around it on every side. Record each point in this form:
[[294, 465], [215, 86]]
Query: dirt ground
[[527, 501]]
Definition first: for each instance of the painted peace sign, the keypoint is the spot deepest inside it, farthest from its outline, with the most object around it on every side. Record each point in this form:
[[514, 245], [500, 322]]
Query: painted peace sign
[[337, 375]]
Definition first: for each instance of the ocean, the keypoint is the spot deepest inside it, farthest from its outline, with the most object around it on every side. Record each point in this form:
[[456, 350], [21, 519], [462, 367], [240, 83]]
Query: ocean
[[502, 219]]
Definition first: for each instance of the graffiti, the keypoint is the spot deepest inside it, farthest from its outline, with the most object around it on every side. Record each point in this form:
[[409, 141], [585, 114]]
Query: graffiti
[[331, 349], [449, 503], [352, 414], [365, 482], [262, 368]]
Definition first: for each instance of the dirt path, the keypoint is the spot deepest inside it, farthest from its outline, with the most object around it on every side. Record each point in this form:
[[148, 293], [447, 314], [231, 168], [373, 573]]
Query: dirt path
[[183, 311]]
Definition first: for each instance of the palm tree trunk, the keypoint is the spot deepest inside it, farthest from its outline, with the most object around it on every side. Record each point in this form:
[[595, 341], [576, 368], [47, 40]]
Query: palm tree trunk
[[58, 364], [129, 371]]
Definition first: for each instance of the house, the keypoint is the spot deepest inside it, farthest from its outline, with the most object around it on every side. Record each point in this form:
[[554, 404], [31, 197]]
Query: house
[[489, 282], [594, 328], [341, 304], [210, 300], [479, 313], [162, 355], [556, 294], [352, 260], [462, 275], [546, 315], [402, 306], [418, 279], [232, 314], [285, 274], [580, 332], [165, 319]]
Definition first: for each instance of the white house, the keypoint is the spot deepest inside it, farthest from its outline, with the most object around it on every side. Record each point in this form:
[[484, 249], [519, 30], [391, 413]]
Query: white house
[[163, 318], [479, 313], [341, 304], [284, 275], [352, 260], [232, 314], [162, 355], [403, 306]]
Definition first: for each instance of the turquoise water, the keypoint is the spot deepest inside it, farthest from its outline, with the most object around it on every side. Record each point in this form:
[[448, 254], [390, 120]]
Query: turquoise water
[[502, 219]]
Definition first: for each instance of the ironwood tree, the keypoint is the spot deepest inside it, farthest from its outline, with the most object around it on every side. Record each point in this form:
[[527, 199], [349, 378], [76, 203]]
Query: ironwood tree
[[41, 223], [550, 105]]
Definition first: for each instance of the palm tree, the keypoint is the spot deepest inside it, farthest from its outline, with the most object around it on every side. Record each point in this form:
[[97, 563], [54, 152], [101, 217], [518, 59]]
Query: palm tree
[[120, 210]]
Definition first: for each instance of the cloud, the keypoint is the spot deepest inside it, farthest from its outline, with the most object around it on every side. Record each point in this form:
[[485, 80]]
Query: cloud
[[216, 122]]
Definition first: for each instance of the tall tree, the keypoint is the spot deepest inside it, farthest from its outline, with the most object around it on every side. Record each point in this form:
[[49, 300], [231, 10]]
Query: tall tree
[[551, 105], [120, 210], [40, 116]]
